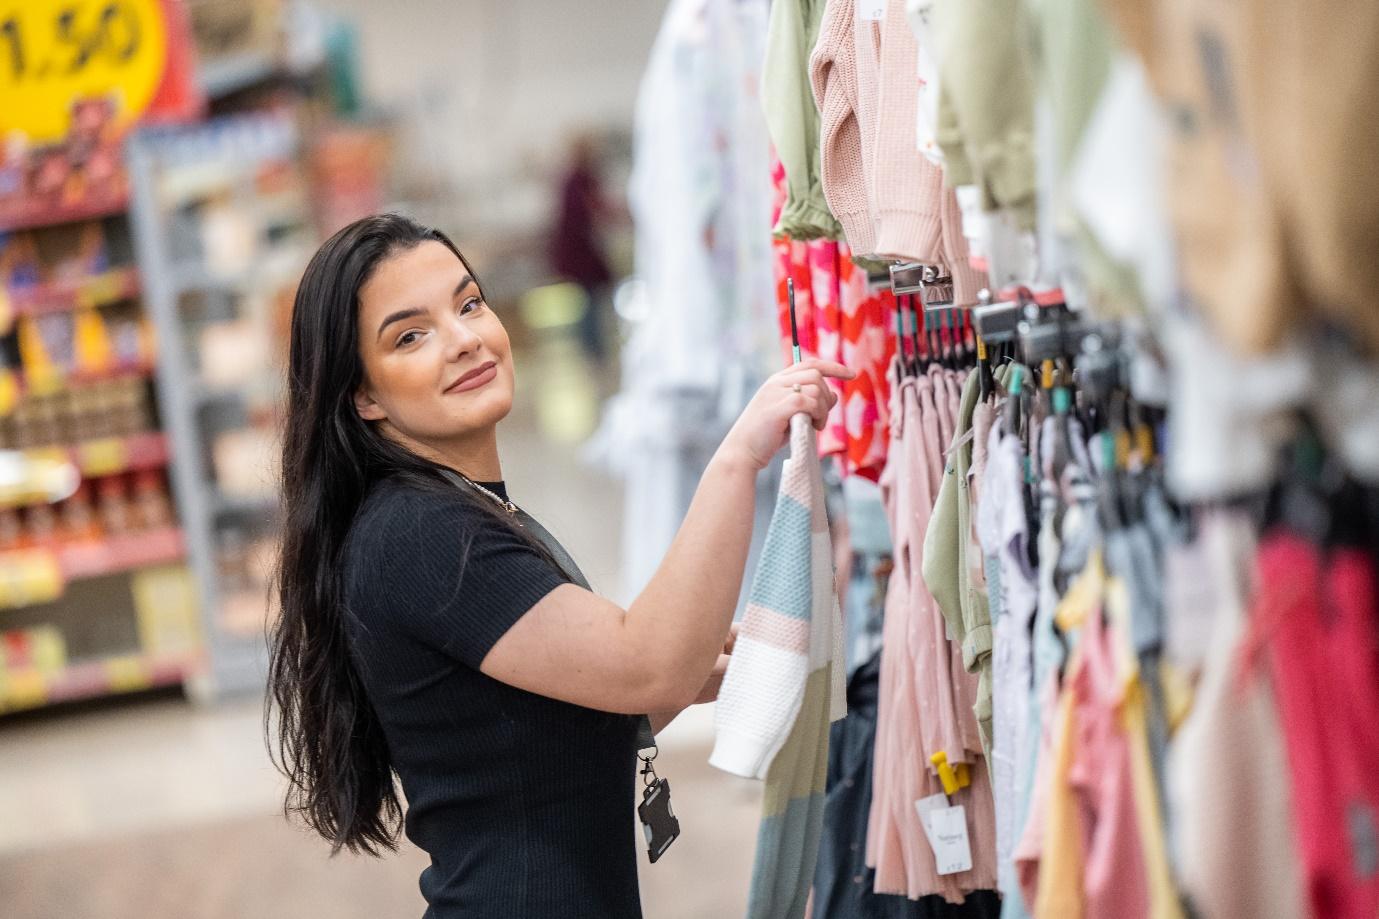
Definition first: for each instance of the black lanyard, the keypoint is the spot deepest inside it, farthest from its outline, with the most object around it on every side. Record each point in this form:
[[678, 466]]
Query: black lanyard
[[659, 822]]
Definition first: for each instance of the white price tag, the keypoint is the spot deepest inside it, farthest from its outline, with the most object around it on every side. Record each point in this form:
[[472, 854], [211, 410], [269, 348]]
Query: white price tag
[[926, 806], [946, 828], [871, 9]]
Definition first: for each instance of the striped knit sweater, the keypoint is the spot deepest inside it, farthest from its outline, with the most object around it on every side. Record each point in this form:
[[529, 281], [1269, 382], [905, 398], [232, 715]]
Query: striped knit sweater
[[785, 685]]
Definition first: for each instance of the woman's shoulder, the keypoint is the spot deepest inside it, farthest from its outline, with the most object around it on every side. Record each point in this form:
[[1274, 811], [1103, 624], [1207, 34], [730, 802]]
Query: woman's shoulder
[[408, 516]]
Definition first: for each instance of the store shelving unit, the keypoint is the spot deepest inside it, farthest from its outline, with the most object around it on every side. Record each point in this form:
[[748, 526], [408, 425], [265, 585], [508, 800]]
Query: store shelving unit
[[88, 609], [222, 231], [96, 600]]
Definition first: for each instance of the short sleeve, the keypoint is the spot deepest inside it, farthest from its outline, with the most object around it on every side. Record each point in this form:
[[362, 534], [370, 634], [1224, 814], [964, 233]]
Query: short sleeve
[[448, 575]]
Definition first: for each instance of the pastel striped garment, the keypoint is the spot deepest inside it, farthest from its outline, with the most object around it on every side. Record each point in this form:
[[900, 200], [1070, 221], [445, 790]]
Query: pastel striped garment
[[785, 685]]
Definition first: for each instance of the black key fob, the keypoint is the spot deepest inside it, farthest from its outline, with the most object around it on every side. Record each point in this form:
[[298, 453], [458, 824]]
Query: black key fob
[[659, 822]]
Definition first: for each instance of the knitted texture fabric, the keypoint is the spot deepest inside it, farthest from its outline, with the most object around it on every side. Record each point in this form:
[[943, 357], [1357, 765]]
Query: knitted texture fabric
[[833, 75], [785, 685], [907, 187], [888, 197]]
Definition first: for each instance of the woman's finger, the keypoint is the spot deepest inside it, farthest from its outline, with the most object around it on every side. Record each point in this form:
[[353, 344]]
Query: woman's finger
[[810, 389], [820, 411], [827, 368], [800, 374]]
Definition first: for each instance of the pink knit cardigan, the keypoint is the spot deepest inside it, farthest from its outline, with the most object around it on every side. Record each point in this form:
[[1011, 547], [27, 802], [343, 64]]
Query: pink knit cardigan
[[889, 199]]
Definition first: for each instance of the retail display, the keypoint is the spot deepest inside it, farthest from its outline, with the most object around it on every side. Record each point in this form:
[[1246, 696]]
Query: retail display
[[77, 358], [1131, 512], [65, 126], [224, 229], [94, 401]]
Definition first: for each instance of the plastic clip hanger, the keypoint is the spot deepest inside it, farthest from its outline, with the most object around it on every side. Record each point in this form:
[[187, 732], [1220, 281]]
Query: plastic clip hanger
[[794, 328]]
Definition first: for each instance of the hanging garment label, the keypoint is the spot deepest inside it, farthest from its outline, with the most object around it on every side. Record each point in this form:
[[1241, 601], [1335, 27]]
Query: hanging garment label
[[926, 806], [946, 828], [871, 9]]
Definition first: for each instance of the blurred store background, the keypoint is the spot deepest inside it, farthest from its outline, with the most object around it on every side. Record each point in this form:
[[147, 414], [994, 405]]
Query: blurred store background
[[166, 169]]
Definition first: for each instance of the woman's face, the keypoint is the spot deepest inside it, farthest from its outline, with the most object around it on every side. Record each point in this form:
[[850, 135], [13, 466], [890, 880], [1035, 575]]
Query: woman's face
[[437, 362]]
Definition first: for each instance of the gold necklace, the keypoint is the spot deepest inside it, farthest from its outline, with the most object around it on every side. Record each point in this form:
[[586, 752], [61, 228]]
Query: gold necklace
[[502, 502]]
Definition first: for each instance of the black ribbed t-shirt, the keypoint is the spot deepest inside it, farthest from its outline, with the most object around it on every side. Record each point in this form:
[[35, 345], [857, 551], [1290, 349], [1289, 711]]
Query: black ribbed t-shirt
[[524, 803]]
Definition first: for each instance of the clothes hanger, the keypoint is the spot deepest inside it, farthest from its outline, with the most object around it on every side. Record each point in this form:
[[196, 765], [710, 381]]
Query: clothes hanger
[[953, 359], [934, 339], [1306, 498], [902, 361], [794, 328], [1015, 389], [969, 341], [923, 347]]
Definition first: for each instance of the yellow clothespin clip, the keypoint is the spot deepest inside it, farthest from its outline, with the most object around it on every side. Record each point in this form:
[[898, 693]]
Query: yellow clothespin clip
[[1144, 443], [945, 773]]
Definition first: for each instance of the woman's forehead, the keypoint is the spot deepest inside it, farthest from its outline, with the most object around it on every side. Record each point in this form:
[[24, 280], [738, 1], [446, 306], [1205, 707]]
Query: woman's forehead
[[415, 277]]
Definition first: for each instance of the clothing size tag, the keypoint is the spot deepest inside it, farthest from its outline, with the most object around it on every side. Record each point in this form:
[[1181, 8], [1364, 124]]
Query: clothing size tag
[[659, 822], [946, 828], [921, 16], [871, 9]]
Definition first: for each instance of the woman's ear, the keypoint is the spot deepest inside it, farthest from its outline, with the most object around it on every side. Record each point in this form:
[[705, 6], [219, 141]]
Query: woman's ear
[[367, 408]]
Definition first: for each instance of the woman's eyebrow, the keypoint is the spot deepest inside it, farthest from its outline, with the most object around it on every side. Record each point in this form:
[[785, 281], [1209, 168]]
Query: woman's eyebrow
[[398, 317], [417, 311]]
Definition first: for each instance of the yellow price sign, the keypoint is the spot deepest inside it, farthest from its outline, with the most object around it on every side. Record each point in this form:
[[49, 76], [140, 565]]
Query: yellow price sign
[[55, 51], [23, 689], [126, 674], [103, 457]]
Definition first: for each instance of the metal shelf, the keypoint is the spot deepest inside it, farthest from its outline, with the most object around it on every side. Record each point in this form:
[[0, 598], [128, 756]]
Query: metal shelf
[[111, 455], [121, 553], [92, 679], [40, 575], [64, 296], [35, 215]]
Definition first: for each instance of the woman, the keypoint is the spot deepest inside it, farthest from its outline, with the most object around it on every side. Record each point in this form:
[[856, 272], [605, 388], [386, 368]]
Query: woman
[[431, 630]]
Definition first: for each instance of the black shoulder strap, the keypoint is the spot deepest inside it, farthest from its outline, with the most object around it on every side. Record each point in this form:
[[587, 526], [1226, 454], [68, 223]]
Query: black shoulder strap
[[646, 740]]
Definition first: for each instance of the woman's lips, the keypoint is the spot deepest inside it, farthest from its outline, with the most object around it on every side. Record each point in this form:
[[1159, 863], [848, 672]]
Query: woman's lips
[[475, 378]]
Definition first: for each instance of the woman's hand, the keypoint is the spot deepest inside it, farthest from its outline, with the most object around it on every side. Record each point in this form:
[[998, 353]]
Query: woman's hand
[[764, 425], [709, 691]]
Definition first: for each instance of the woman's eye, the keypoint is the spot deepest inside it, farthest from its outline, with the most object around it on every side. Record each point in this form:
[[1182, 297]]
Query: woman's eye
[[470, 305], [407, 338]]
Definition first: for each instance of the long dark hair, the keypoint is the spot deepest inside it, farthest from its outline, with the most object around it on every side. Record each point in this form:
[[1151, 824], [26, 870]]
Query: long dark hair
[[331, 744]]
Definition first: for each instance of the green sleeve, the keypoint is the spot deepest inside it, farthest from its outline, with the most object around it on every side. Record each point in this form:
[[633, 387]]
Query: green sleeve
[[792, 117]]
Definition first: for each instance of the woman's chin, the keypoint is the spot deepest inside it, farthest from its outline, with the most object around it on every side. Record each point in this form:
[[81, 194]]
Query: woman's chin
[[486, 410]]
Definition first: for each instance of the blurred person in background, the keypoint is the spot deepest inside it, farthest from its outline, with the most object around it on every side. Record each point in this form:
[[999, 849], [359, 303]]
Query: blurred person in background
[[577, 249], [432, 630]]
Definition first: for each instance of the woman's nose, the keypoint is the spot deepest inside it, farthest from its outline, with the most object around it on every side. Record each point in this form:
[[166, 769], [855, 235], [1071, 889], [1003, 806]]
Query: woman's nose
[[461, 339]]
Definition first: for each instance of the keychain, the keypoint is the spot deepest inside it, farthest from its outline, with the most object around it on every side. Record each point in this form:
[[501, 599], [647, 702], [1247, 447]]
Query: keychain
[[659, 822]]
